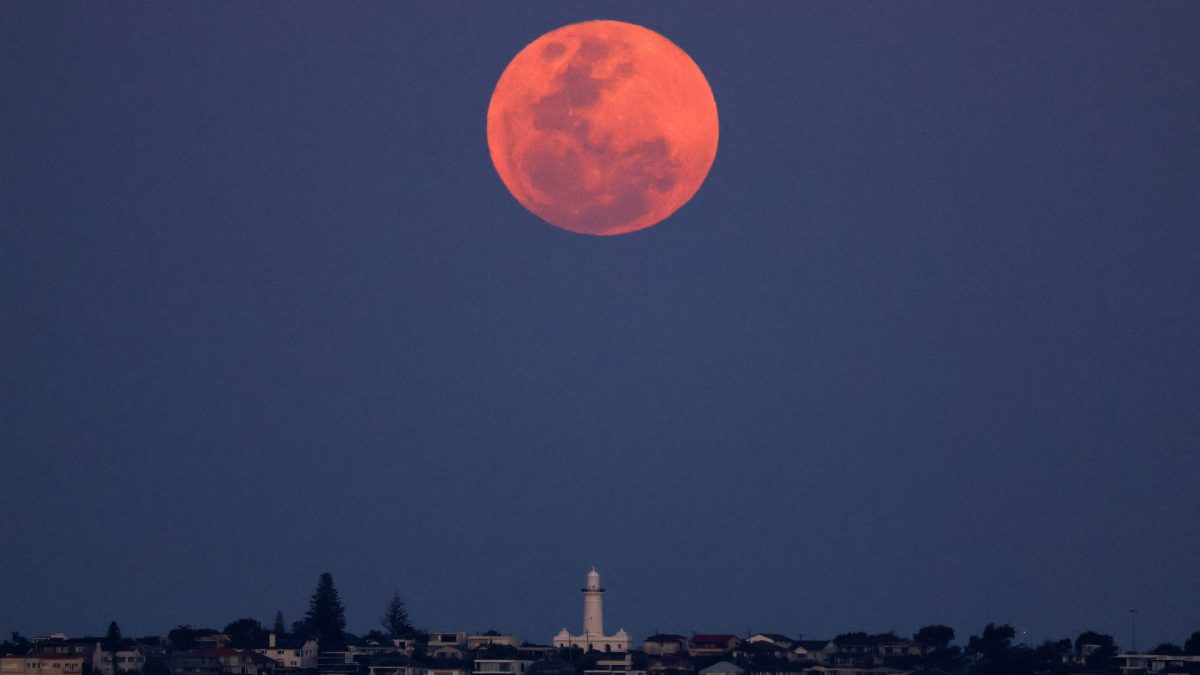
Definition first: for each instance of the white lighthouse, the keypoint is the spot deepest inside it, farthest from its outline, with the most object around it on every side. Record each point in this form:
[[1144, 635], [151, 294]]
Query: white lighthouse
[[593, 636], [593, 605]]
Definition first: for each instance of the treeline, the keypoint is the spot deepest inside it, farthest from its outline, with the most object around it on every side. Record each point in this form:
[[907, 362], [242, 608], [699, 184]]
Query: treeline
[[990, 652], [325, 621], [993, 652]]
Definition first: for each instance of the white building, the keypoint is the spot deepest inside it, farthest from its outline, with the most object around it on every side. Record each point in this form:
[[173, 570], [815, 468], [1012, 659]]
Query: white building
[[125, 660], [446, 645], [501, 666], [475, 642], [291, 652], [1154, 663], [593, 636], [396, 665], [42, 664]]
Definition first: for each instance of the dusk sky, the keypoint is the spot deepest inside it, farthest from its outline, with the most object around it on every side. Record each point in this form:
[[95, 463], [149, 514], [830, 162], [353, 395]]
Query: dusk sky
[[924, 347]]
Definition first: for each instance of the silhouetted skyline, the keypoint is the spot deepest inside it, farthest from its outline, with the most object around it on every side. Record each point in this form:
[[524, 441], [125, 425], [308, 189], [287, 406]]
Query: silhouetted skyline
[[923, 348]]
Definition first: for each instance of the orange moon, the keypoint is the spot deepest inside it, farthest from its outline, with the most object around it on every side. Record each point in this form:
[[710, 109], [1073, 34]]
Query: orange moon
[[602, 127]]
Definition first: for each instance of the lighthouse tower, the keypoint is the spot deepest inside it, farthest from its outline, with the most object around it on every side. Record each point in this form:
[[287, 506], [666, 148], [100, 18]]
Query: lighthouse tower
[[593, 637], [593, 605]]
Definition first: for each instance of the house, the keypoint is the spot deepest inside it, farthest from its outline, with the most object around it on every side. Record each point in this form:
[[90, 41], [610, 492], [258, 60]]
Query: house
[[338, 663], [239, 662], [723, 668], [475, 642], [131, 660], [447, 645], [397, 664], [902, 648], [712, 644], [533, 652], [449, 670], [1156, 663], [761, 652], [667, 653], [59, 644], [446, 639], [620, 663], [370, 648], [665, 644], [813, 651], [405, 645], [290, 652], [128, 657], [209, 640], [188, 663], [501, 666], [670, 664], [41, 663], [776, 639], [856, 647]]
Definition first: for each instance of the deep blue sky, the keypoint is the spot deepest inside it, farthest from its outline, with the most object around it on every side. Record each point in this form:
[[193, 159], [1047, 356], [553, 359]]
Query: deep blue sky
[[924, 347]]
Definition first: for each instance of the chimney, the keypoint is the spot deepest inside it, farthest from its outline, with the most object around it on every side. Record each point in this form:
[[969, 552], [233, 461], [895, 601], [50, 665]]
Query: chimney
[[271, 641]]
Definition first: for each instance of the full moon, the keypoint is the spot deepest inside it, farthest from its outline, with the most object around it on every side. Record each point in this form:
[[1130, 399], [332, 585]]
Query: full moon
[[602, 127]]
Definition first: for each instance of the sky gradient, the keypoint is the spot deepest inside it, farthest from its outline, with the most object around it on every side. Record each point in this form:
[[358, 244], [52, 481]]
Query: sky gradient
[[923, 348]]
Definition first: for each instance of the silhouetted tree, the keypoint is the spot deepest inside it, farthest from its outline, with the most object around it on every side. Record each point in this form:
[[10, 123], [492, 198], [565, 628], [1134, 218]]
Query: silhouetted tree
[[1167, 649], [182, 638], [395, 617], [993, 650], [280, 627], [326, 617], [112, 639], [859, 636], [245, 633], [15, 645], [936, 636], [1102, 656], [1050, 654], [1091, 637], [1191, 647], [993, 637]]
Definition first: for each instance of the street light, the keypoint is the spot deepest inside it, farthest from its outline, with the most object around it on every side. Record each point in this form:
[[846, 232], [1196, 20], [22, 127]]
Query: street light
[[1133, 630]]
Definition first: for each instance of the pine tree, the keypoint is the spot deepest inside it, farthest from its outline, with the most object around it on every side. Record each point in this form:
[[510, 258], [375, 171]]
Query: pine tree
[[112, 639], [326, 616], [395, 618], [280, 626]]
